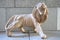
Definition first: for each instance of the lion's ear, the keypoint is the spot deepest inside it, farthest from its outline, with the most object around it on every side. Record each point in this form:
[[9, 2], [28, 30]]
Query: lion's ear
[[43, 5], [34, 12], [34, 9]]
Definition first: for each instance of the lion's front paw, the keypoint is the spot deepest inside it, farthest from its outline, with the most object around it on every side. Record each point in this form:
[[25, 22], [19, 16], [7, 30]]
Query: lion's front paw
[[43, 36], [9, 35], [22, 29]]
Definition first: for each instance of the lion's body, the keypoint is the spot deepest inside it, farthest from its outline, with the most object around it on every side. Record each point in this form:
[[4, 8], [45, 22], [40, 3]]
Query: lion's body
[[21, 21]]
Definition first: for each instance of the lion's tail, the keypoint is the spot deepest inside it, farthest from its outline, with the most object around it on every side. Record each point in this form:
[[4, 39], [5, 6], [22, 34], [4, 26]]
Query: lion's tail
[[7, 24]]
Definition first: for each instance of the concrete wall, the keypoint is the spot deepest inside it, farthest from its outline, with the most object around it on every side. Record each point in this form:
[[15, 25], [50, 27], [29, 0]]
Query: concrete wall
[[12, 7]]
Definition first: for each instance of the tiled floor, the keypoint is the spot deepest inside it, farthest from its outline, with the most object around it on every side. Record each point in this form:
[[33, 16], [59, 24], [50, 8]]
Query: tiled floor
[[52, 35]]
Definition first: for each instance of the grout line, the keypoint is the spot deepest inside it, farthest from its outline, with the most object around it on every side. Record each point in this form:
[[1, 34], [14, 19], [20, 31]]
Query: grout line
[[16, 7], [6, 14], [29, 35], [14, 3], [26, 7], [33, 32]]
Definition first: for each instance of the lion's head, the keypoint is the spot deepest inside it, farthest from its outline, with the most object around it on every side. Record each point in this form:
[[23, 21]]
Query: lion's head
[[40, 12]]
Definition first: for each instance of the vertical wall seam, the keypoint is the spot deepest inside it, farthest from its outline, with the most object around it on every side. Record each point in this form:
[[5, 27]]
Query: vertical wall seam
[[14, 3], [6, 14], [56, 17]]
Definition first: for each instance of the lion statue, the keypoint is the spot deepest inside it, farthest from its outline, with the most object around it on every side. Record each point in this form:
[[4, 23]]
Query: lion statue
[[35, 19]]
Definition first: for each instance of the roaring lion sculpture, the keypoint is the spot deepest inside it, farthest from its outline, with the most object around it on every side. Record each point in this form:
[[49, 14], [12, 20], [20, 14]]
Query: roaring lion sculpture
[[34, 20]]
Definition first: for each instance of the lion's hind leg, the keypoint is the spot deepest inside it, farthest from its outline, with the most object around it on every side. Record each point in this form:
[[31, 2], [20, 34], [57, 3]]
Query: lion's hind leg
[[15, 26], [9, 34], [9, 31]]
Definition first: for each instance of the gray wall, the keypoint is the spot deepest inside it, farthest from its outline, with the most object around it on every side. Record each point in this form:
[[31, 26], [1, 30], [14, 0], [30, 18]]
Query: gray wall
[[13, 7]]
